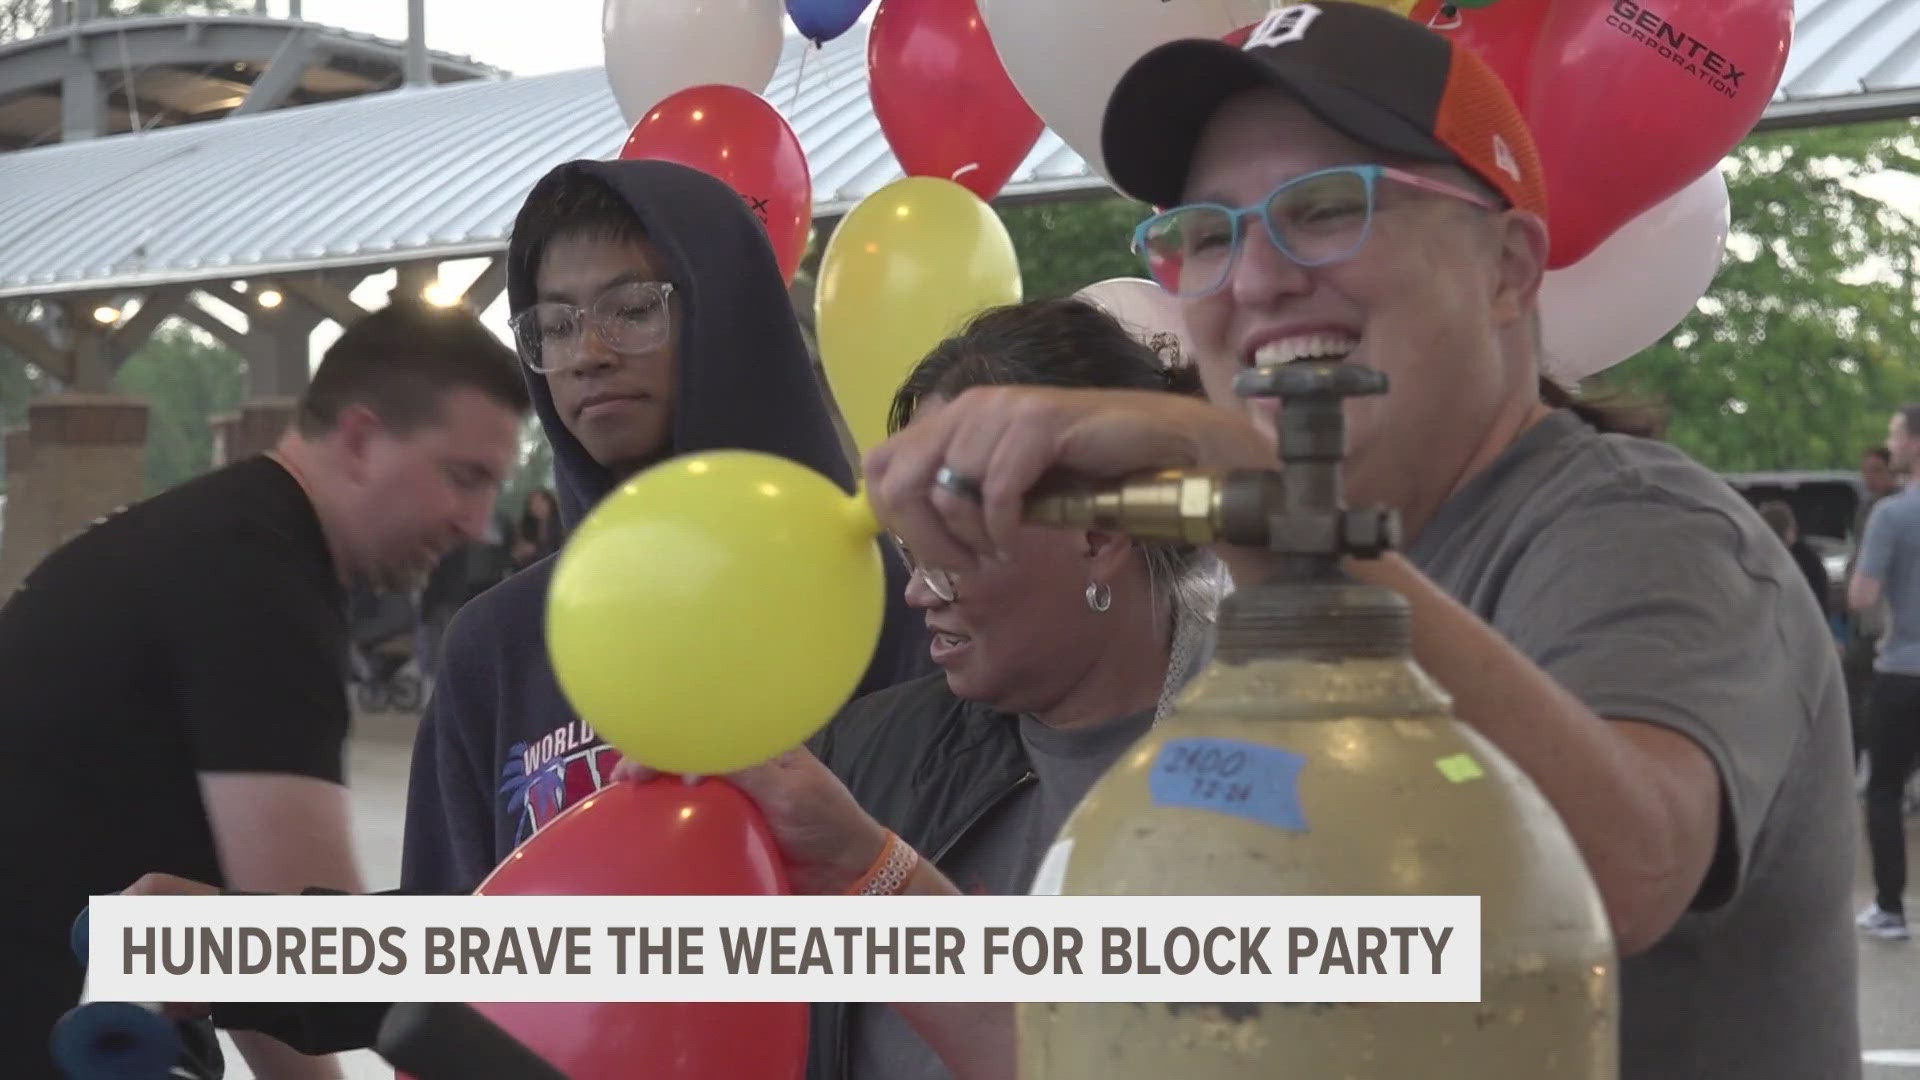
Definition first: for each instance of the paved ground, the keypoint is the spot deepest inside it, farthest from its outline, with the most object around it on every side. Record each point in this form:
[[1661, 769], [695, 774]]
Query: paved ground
[[1889, 972]]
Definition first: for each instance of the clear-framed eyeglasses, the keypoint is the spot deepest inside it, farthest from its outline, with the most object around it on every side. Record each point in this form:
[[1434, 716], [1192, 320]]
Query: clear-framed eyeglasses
[[631, 319], [1318, 219], [939, 581]]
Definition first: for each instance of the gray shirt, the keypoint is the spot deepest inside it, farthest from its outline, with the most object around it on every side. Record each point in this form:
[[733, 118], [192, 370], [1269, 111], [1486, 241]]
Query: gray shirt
[[998, 858], [1651, 591], [1890, 555]]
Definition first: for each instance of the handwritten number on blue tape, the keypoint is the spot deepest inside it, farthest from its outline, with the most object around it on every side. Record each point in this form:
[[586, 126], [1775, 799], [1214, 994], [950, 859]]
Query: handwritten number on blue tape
[[1259, 783]]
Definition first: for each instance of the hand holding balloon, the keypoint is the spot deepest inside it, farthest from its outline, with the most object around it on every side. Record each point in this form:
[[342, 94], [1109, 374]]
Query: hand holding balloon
[[826, 840], [716, 610]]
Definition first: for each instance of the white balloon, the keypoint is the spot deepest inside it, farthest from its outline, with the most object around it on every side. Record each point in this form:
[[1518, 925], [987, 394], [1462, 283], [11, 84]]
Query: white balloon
[[1149, 312], [1638, 285], [656, 48], [1066, 56]]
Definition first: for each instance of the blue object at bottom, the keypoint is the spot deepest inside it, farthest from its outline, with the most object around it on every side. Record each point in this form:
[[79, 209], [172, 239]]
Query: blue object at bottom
[[115, 1040], [1226, 776]]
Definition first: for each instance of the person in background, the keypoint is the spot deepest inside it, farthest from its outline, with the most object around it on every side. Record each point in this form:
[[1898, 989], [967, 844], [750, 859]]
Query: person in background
[[538, 533], [1779, 517], [465, 573], [1864, 628], [175, 677], [1889, 572], [1877, 475]]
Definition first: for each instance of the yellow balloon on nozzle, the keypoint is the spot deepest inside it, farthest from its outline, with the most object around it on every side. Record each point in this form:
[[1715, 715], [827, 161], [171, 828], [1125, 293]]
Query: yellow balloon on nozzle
[[1398, 7], [716, 610]]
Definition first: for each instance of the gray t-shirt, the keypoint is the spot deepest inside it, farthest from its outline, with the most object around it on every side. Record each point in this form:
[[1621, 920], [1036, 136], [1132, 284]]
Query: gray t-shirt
[[1651, 591], [1890, 555], [999, 858]]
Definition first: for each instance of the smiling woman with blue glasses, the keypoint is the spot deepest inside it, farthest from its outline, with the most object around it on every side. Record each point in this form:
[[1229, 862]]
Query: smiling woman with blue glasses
[[1316, 220], [1353, 186]]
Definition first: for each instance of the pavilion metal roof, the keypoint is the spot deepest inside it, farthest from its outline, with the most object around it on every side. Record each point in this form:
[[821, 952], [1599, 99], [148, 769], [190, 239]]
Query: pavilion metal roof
[[438, 172]]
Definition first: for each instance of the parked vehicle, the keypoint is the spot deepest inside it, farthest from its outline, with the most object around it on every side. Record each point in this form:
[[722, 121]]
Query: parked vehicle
[[1824, 502]]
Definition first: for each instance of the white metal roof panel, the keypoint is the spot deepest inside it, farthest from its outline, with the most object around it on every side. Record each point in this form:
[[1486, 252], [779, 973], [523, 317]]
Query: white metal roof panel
[[440, 171]]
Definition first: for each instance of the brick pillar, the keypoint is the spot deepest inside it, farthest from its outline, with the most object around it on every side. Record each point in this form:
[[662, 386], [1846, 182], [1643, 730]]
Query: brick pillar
[[17, 526], [255, 428], [85, 458]]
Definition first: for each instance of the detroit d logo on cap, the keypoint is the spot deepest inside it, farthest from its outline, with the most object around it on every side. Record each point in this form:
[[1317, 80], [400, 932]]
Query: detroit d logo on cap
[[1283, 26]]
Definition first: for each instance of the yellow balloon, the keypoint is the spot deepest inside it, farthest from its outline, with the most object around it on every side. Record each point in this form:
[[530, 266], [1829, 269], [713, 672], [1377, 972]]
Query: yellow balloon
[[1398, 7], [715, 610], [907, 266]]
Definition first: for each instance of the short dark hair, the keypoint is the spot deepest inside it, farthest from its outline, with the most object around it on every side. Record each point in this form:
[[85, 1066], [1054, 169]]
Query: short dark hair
[[1070, 343], [1910, 414], [1881, 452], [1779, 517], [401, 362], [1060, 342], [577, 207]]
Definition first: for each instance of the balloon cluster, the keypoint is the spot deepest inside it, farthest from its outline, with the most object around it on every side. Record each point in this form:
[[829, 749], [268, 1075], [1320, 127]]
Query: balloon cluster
[[1633, 106]]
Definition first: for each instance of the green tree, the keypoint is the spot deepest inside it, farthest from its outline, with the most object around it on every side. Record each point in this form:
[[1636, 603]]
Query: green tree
[[1066, 246], [1808, 337], [186, 380]]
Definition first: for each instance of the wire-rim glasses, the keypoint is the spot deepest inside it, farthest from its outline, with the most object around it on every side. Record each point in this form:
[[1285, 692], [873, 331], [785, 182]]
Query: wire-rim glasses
[[939, 581], [632, 319]]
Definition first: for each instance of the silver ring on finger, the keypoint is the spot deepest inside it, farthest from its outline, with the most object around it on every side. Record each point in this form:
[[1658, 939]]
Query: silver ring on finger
[[964, 486]]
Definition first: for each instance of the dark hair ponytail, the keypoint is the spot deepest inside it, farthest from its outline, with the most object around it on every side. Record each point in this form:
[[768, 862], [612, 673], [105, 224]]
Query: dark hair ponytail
[[1608, 412]]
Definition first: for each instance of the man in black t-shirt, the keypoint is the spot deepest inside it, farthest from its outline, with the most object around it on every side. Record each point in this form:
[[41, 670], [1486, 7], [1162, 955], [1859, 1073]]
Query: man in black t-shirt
[[172, 681]]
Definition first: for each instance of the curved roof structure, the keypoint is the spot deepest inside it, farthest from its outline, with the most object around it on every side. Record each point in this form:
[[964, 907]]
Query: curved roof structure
[[1851, 60], [438, 172], [140, 73], [412, 173]]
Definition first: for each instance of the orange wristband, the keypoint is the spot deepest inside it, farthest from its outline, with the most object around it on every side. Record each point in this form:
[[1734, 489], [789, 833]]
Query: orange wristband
[[889, 873]]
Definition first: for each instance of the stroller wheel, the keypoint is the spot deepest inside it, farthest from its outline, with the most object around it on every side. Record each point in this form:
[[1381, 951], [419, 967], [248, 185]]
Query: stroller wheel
[[405, 693]]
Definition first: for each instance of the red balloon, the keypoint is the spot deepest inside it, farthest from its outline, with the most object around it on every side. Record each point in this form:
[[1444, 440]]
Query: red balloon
[[1633, 100], [662, 838], [734, 134], [943, 99]]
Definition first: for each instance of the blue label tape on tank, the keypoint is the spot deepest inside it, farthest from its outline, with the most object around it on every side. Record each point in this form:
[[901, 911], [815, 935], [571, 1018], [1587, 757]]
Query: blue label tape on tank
[[1259, 783]]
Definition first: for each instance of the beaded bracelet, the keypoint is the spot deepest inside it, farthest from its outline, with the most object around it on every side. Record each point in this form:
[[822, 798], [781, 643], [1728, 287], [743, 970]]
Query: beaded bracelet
[[889, 873]]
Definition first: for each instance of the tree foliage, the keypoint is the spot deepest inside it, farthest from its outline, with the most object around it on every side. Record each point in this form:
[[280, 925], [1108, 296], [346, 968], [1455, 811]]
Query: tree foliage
[[186, 379], [1808, 338], [1065, 246]]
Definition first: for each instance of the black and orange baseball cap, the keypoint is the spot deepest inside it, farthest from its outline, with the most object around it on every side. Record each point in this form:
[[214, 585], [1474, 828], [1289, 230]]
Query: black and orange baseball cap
[[1382, 79]]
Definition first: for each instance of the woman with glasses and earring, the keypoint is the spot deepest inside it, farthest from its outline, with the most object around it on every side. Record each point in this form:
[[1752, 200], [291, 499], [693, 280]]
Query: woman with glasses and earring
[[1053, 660]]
